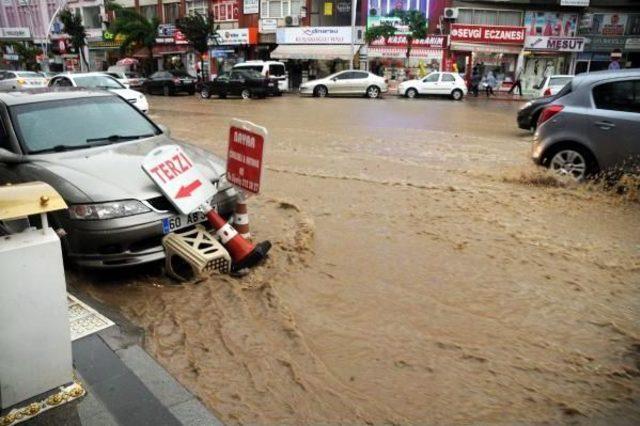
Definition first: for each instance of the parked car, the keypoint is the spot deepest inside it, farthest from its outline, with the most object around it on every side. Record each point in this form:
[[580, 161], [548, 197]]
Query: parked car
[[269, 69], [530, 112], [20, 80], [96, 80], [350, 82], [436, 83], [88, 145], [170, 82], [592, 125], [128, 79], [245, 83], [552, 84]]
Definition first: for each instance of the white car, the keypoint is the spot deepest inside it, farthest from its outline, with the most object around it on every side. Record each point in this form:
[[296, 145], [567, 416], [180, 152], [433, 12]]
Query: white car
[[552, 84], [269, 69], [350, 82], [97, 80], [20, 80], [436, 83]]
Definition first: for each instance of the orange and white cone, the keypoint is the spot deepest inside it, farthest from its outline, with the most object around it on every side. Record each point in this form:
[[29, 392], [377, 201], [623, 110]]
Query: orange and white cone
[[241, 219], [243, 253]]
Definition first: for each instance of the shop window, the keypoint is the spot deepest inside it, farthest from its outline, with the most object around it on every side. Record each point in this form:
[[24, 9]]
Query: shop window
[[489, 17], [618, 96], [91, 17], [197, 6], [225, 11], [171, 12], [279, 8], [149, 12]]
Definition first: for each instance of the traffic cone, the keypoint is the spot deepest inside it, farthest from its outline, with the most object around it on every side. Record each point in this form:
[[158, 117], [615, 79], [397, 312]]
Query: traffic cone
[[241, 219], [243, 253]]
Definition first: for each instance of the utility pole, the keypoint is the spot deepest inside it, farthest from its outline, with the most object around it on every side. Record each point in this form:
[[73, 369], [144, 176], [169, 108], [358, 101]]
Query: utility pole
[[353, 32]]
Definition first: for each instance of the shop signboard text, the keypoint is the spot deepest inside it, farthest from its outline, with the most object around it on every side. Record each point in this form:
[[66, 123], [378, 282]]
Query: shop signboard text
[[487, 33], [556, 44], [317, 35], [244, 157]]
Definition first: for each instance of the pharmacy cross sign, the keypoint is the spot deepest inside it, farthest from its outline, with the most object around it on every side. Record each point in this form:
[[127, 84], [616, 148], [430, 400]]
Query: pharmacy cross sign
[[178, 178]]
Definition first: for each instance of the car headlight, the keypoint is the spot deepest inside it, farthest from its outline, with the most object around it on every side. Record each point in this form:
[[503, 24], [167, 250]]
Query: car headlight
[[109, 210]]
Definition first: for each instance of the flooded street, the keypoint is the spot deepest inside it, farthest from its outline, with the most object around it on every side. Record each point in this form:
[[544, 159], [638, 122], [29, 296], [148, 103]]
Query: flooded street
[[423, 271]]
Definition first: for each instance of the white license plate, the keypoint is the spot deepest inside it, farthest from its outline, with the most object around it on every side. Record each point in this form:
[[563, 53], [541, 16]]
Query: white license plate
[[174, 223]]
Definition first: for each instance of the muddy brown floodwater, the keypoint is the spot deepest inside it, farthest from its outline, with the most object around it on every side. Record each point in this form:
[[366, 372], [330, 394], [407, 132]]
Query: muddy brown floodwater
[[423, 272]]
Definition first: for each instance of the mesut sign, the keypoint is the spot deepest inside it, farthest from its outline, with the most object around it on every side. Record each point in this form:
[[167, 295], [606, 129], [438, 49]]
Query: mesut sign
[[244, 158], [178, 178]]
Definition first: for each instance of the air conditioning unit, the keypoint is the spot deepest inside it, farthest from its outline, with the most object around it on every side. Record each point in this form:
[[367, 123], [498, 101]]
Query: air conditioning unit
[[451, 13]]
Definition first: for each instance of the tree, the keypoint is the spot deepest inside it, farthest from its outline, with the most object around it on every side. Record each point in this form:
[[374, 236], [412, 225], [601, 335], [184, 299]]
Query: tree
[[73, 27], [26, 52], [417, 23], [384, 30], [136, 30], [197, 28]]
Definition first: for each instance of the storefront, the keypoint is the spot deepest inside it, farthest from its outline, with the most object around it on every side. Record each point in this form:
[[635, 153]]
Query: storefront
[[609, 36], [315, 52], [9, 57], [550, 46], [492, 48], [231, 46], [389, 58], [171, 50]]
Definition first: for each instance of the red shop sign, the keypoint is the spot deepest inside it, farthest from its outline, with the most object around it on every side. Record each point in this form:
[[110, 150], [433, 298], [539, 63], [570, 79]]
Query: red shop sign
[[400, 40], [488, 33], [244, 157]]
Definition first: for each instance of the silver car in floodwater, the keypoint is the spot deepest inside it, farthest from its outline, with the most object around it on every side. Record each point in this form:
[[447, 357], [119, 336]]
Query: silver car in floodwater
[[346, 83], [592, 125], [89, 145]]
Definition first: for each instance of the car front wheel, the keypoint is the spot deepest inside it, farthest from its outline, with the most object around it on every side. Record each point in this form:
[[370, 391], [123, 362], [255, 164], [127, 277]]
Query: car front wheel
[[205, 93], [245, 94], [457, 94], [320, 91], [411, 93]]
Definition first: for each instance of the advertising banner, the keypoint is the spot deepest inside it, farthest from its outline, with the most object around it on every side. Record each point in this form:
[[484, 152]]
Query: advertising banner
[[317, 35], [268, 25], [383, 8], [236, 36], [557, 44], [15, 33], [551, 24], [487, 33], [606, 24]]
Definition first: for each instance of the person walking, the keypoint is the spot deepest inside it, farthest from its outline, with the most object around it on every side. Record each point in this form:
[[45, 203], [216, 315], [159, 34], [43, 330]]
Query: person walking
[[475, 81], [489, 83], [517, 83]]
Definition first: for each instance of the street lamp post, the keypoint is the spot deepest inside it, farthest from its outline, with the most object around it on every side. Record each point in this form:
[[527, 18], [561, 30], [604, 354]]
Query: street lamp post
[[353, 32]]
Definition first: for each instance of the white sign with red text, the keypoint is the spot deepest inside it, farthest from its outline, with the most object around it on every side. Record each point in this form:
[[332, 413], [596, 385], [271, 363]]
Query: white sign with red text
[[178, 178], [244, 157]]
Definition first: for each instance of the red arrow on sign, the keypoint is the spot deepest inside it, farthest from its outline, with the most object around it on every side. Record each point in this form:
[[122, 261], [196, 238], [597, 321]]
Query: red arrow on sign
[[186, 191]]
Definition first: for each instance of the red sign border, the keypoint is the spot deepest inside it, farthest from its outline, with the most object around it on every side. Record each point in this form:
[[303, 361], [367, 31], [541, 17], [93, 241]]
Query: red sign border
[[484, 28]]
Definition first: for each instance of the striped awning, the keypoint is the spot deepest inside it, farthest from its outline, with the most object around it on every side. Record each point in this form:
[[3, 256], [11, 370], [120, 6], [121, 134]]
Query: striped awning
[[401, 52]]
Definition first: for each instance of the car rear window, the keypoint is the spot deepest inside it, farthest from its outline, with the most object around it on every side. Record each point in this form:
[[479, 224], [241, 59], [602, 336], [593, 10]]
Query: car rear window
[[618, 96], [559, 81], [249, 67], [276, 70]]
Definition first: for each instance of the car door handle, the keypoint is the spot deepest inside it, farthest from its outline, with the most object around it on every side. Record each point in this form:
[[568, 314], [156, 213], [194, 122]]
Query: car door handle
[[604, 125]]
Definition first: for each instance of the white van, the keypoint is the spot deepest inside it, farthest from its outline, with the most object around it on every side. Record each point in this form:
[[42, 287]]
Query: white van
[[272, 69]]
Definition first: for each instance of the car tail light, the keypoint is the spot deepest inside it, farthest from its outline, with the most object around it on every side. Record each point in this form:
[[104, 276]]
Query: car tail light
[[549, 112], [547, 92]]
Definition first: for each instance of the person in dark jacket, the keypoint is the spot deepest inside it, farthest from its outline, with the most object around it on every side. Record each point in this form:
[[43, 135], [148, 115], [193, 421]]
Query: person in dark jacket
[[475, 81]]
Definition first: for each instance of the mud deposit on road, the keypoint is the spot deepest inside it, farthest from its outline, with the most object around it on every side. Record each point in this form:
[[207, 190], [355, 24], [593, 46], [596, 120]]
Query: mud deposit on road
[[419, 275]]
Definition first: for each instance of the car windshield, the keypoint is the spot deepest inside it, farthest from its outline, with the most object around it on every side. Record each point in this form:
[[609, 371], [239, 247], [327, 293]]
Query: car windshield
[[98, 82], [28, 74], [46, 127]]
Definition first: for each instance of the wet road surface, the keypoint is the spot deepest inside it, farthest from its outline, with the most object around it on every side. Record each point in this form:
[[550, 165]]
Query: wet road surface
[[423, 271]]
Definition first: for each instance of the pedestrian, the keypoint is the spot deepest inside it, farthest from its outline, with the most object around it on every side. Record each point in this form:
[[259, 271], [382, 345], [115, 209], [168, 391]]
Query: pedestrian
[[489, 83], [615, 60], [475, 81], [517, 82]]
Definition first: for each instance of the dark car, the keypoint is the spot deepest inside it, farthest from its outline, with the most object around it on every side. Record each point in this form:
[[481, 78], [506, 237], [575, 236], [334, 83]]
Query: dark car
[[117, 216], [243, 83], [170, 82], [528, 115]]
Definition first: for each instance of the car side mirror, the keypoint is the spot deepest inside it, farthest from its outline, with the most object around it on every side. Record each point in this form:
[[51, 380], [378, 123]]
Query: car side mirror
[[9, 157], [165, 130]]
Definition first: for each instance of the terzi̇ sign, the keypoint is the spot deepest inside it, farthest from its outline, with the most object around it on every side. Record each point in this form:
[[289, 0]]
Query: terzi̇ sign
[[557, 44], [488, 33]]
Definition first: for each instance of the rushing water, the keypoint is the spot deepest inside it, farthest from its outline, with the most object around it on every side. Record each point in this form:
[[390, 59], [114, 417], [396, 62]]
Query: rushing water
[[423, 271]]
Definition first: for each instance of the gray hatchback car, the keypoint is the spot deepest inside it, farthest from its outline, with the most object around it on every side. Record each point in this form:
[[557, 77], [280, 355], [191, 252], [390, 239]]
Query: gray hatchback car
[[89, 146], [593, 125]]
